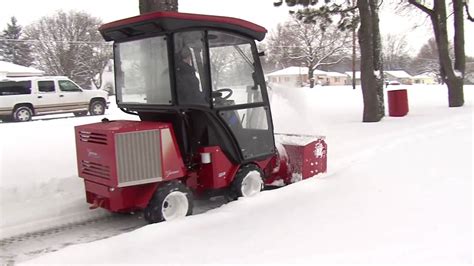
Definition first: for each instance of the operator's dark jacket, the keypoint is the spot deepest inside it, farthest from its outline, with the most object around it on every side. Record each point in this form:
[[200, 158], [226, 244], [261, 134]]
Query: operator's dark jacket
[[188, 85]]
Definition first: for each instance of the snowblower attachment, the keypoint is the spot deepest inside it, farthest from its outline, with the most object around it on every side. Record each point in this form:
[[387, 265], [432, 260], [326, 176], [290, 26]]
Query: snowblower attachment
[[307, 155], [300, 157]]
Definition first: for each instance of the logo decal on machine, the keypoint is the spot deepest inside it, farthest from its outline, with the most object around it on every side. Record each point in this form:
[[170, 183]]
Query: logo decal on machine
[[169, 172], [319, 150], [92, 154]]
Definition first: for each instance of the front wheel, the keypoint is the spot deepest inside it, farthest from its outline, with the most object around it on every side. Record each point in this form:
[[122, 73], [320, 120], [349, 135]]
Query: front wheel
[[97, 107], [247, 182], [171, 201], [22, 114]]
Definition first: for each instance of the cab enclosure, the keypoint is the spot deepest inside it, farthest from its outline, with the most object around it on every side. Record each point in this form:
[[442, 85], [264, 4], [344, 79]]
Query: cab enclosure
[[200, 73]]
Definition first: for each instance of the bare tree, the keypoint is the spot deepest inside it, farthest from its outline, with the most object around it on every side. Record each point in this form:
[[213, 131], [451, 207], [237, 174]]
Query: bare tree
[[68, 44], [310, 44], [370, 44], [452, 75], [395, 52], [427, 60], [277, 47]]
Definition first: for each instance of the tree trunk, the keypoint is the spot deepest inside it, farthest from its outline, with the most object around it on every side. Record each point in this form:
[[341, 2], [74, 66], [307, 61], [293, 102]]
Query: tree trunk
[[448, 75], [378, 57], [372, 89], [459, 54], [453, 79], [157, 5], [311, 76]]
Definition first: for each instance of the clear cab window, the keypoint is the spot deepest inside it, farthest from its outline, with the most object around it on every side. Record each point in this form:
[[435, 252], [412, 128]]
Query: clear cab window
[[232, 70], [142, 74]]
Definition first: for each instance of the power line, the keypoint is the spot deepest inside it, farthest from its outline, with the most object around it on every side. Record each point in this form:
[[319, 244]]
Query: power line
[[54, 41]]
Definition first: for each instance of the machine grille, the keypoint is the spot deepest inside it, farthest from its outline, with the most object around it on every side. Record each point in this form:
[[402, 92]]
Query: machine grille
[[138, 156], [92, 137], [95, 169]]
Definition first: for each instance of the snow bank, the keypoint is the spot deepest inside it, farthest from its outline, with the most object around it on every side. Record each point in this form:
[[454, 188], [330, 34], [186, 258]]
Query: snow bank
[[39, 186], [407, 202]]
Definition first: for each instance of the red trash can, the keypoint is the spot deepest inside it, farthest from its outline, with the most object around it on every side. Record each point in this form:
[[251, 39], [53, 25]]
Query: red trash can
[[397, 102]]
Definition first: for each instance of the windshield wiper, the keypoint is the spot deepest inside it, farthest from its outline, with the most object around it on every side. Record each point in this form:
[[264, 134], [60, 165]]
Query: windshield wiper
[[239, 50]]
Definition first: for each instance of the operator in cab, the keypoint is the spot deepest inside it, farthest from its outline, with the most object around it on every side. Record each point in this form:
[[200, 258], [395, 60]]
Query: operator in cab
[[187, 83]]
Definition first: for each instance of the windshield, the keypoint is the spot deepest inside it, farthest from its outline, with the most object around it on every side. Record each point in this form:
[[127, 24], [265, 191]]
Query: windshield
[[232, 70], [142, 71]]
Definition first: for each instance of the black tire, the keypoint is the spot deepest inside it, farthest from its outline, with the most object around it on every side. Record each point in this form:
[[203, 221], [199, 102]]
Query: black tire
[[241, 179], [160, 205], [22, 114], [6, 118], [97, 107], [83, 113]]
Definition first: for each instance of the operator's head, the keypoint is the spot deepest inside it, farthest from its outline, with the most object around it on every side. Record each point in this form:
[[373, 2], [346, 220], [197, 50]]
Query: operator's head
[[186, 55]]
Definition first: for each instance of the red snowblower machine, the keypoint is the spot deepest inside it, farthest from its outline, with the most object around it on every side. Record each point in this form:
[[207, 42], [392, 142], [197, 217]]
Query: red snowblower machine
[[196, 83]]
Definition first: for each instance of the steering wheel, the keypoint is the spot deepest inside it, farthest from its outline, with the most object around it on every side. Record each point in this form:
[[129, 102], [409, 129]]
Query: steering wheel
[[218, 93]]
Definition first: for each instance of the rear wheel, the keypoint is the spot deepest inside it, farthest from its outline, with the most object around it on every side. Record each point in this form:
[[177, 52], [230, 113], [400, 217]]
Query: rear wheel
[[171, 201], [22, 114], [97, 107], [247, 182]]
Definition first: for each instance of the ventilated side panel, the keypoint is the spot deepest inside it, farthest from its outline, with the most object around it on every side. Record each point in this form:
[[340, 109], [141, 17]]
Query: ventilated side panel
[[95, 169], [138, 157], [92, 137]]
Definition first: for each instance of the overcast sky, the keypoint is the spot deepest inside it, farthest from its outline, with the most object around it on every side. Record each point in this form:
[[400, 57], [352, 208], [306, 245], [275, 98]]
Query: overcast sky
[[258, 11]]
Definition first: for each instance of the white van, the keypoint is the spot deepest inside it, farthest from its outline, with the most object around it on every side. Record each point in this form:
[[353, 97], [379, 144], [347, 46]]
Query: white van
[[23, 98]]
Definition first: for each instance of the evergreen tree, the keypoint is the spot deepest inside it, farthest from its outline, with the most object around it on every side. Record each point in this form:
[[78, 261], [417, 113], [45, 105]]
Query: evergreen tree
[[12, 47]]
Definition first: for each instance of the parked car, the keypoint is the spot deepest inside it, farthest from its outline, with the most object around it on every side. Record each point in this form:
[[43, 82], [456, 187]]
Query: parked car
[[23, 98]]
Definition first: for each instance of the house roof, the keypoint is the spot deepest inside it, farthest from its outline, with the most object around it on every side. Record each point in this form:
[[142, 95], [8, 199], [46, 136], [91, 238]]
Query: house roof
[[423, 76], [14, 70], [335, 74], [294, 70], [394, 73], [398, 74], [357, 74]]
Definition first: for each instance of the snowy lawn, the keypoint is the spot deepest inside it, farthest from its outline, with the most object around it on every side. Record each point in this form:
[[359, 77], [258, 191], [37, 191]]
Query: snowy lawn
[[396, 191]]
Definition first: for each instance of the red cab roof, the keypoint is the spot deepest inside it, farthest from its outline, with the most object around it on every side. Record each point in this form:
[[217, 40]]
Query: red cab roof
[[156, 22]]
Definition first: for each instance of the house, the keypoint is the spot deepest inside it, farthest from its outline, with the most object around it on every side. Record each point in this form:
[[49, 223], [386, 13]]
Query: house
[[336, 79], [10, 70], [357, 77], [290, 76], [398, 75], [298, 77], [425, 78]]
